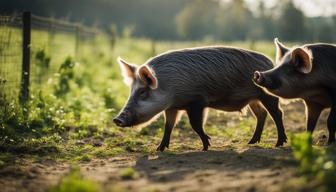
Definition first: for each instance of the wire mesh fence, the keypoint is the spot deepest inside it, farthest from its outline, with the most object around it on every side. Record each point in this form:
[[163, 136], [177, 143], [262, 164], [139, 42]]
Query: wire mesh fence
[[10, 56], [50, 42]]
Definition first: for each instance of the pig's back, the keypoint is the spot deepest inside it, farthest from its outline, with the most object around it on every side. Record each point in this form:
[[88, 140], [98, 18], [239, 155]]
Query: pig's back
[[324, 63], [324, 55], [209, 70]]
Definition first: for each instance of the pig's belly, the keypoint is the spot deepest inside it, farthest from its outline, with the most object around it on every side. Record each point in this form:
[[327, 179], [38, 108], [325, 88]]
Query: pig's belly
[[318, 96], [234, 100], [226, 105]]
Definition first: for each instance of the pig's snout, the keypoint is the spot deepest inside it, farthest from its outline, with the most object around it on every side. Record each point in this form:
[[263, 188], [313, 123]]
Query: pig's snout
[[118, 121], [123, 119], [258, 77]]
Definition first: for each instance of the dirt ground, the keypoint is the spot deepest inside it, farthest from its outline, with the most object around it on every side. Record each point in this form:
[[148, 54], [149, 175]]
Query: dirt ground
[[225, 167], [220, 169]]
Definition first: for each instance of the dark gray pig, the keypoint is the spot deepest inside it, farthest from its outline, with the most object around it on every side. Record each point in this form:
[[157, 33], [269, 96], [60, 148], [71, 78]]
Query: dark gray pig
[[192, 80], [307, 72]]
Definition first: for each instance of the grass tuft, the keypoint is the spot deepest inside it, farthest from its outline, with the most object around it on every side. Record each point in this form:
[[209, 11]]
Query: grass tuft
[[129, 173], [74, 182]]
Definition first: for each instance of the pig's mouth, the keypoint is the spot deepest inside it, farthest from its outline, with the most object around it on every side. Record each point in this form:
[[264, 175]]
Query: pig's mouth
[[123, 123], [120, 123], [261, 80], [124, 119]]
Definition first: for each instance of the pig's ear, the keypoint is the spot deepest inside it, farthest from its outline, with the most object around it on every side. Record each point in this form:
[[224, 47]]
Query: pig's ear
[[148, 76], [127, 71], [281, 50], [302, 59]]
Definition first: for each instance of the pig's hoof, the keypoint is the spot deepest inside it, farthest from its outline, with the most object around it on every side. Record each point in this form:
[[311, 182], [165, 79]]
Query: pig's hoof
[[279, 144], [281, 141], [254, 141], [162, 147], [206, 143], [205, 147]]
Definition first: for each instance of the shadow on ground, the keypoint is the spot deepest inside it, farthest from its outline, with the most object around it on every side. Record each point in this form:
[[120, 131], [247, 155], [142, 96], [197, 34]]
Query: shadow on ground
[[219, 170]]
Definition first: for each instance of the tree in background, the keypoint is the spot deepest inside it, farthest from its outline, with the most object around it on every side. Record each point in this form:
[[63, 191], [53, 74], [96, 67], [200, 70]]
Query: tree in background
[[201, 18], [196, 19], [265, 23], [235, 21], [291, 23], [227, 20], [322, 29]]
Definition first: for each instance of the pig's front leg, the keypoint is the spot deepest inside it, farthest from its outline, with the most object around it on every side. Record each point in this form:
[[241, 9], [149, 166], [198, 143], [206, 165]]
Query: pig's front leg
[[195, 113], [313, 111], [260, 113], [272, 105], [170, 121], [331, 122]]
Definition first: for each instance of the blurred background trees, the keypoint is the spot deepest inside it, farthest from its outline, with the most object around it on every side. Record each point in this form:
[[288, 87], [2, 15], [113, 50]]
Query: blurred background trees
[[291, 23], [228, 20]]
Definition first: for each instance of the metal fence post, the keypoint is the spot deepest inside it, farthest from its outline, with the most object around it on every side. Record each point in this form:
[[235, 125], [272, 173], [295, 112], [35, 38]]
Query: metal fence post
[[25, 73]]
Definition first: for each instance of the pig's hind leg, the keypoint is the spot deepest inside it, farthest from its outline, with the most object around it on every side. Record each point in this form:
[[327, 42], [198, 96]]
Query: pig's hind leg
[[272, 105], [171, 118], [331, 122], [313, 111], [260, 114], [195, 113]]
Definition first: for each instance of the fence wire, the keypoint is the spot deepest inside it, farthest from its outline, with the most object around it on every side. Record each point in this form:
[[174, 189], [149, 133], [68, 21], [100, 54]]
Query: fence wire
[[51, 42], [10, 56]]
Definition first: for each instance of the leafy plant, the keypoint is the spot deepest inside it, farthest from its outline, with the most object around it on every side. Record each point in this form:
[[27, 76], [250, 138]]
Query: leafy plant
[[128, 173], [75, 182], [317, 164], [42, 61], [303, 151], [65, 75]]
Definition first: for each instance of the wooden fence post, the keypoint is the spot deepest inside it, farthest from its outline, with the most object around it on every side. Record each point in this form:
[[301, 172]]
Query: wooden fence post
[[25, 72]]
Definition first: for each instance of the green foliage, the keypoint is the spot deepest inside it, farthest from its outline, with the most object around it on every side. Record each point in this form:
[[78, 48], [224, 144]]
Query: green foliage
[[74, 182], [42, 59], [303, 151], [41, 116], [65, 75], [128, 173], [109, 99], [11, 120], [317, 164]]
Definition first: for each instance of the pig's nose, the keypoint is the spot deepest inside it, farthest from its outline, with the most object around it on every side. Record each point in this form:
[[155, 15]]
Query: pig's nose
[[258, 77], [118, 121]]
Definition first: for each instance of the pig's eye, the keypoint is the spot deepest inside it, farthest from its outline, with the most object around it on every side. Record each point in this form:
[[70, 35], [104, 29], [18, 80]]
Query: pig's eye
[[143, 94]]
